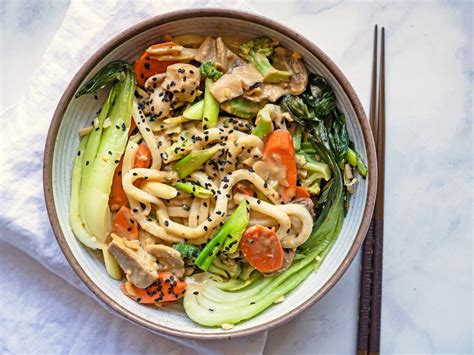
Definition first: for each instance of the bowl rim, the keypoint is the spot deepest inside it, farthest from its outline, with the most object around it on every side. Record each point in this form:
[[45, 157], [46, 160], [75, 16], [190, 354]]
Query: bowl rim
[[181, 15]]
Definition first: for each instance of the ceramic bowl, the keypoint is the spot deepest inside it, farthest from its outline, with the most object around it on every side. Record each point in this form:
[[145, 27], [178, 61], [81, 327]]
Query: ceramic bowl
[[72, 114]]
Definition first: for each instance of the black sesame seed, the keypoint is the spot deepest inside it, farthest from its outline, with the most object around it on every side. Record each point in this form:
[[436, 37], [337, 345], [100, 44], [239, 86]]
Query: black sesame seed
[[167, 223]]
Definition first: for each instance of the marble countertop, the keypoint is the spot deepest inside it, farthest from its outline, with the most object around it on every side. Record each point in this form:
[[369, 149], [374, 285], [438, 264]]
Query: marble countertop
[[427, 282]]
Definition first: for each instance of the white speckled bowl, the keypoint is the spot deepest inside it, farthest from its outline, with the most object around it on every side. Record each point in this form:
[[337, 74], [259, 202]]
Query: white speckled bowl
[[72, 113]]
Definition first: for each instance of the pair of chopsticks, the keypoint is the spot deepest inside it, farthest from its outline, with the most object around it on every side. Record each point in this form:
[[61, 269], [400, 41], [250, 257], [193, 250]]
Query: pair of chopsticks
[[370, 296]]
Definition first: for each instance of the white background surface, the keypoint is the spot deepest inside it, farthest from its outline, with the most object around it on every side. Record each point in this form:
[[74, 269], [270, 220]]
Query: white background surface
[[427, 300]]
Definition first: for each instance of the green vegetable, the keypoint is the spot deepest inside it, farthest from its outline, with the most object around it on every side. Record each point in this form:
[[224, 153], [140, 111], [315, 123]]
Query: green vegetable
[[316, 172], [355, 160], [189, 252], [216, 303], [313, 166], [232, 228], [110, 73], [194, 112], [257, 52], [74, 217], [263, 122], [210, 112], [97, 181], [297, 138], [208, 69], [229, 270], [241, 107], [194, 161], [178, 148], [319, 96], [193, 189]]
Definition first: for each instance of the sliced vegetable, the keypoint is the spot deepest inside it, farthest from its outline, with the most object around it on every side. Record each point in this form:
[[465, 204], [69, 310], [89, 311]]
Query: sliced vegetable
[[279, 150], [194, 160], [195, 111], [125, 224], [241, 107], [244, 188], [355, 160], [210, 112], [74, 217], [232, 229], [118, 197], [189, 252], [257, 51], [302, 192], [167, 288], [143, 157], [313, 166], [94, 196], [262, 249], [263, 122], [193, 189], [146, 66], [208, 69]]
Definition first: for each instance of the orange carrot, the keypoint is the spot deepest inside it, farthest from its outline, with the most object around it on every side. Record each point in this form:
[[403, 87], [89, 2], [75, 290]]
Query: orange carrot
[[302, 192], [244, 189], [279, 150], [166, 288], [125, 224], [117, 197], [146, 66], [143, 157], [262, 249]]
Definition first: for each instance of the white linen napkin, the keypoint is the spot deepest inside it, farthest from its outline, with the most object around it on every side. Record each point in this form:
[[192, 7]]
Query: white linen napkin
[[24, 222]]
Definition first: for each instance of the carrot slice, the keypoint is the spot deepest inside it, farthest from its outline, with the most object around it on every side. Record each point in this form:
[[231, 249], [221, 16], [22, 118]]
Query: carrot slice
[[279, 149], [117, 197], [262, 249], [143, 157], [145, 66], [167, 288], [301, 192], [244, 189], [125, 224]]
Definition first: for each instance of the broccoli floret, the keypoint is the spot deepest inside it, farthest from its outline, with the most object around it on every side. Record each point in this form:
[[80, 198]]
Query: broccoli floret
[[188, 252], [257, 51], [316, 172], [209, 70], [230, 270]]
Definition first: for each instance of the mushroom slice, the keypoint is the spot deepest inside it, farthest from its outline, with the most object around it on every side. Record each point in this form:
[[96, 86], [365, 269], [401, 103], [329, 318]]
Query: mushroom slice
[[185, 55], [191, 40], [168, 259], [159, 50], [214, 49], [233, 84], [284, 59], [267, 92]]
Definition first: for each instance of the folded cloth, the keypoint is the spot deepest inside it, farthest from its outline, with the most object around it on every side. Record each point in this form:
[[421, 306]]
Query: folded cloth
[[24, 222]]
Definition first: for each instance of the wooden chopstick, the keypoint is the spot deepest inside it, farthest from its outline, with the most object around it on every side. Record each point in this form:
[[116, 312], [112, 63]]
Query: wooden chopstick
[[368, 339], [366, 267], [376, 304]]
